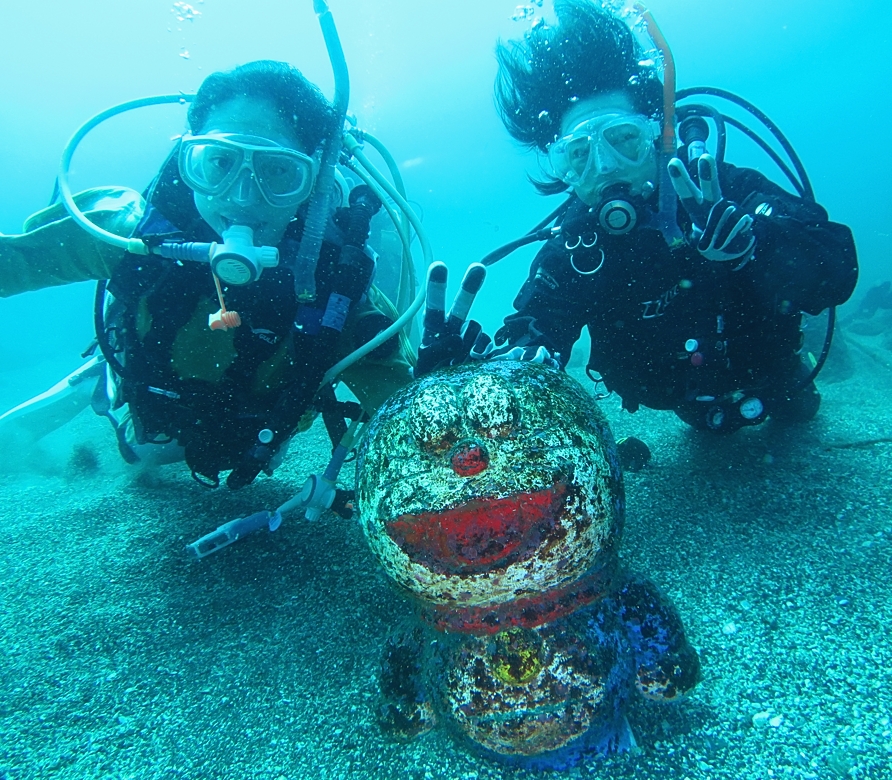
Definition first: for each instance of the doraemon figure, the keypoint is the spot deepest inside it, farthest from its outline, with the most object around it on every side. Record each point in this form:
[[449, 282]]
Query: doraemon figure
[[492, 493]]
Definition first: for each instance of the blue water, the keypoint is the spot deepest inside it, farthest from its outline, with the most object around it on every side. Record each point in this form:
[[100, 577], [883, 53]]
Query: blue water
[[421, 78]]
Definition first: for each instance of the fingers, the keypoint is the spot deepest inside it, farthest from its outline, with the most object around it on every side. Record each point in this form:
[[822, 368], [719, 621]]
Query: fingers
[[741, 228], [470, 331], [728, 234], [482, 347], [709, 179], [715, 230], [438, 326], [435, 307], [530, 354], [515, 353], [682, 182], [470, 286], [688, 192]]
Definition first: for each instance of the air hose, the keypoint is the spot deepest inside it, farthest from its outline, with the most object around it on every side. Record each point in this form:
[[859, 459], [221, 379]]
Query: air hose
[[318, 211], [135, 246]]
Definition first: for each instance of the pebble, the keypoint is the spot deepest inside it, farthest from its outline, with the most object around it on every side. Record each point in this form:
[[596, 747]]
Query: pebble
[[776, 721], [760, 719], [729, 628]]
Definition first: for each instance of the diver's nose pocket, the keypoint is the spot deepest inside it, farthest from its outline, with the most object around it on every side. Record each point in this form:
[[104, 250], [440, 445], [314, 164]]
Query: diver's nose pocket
[[243, 188]]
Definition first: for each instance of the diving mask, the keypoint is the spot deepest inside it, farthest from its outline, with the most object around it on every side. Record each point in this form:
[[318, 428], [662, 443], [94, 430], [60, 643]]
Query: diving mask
[[211, 164], [607, 144]]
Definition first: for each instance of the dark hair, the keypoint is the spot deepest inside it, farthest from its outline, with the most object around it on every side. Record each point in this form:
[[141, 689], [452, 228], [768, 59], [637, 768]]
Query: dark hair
[[298, 102], [589, 51]]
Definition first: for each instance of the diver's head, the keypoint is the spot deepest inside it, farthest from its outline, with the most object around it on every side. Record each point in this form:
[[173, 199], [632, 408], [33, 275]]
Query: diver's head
[[251, 156], [604, 144], [558, 76]]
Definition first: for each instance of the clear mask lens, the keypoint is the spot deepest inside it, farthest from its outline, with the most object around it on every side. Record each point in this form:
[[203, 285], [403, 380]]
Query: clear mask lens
[[211, 165], [601, 145]]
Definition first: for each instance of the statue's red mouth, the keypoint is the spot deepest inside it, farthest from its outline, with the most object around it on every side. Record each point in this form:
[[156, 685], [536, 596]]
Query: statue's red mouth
[[482, 534]]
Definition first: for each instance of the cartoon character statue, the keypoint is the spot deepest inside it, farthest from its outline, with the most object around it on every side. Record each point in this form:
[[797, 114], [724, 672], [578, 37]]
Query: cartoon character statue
[[493, 494]]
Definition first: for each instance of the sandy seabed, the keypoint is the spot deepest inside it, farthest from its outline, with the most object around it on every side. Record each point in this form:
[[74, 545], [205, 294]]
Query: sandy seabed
[[122, 658]]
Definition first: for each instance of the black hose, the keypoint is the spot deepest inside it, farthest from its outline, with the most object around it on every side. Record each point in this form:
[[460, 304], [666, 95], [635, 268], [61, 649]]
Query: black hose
[[822, 358], [559, 211], [763, 118], [503, 251], [785, 169], [105, 346], [538, 232], [701, 109]]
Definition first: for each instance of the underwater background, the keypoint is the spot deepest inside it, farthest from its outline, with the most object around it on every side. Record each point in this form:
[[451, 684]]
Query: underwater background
[[119, 657]]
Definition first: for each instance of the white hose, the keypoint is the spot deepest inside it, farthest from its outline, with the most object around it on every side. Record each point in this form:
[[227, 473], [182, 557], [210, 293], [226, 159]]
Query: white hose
[[415, 306], [134, 245], [407, 275]]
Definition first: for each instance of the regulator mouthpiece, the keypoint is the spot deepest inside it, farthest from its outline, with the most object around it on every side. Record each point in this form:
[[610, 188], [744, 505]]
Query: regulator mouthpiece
[[693, 133], [237, 261]]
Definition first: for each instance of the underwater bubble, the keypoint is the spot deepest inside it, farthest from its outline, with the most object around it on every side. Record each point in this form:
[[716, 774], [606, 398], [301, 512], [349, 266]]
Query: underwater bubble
[[574, 99], [184, 12], [522, 13], [543, 115], [184, 53]]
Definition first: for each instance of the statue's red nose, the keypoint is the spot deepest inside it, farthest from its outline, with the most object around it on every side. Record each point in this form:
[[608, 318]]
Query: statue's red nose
[[468, 459]]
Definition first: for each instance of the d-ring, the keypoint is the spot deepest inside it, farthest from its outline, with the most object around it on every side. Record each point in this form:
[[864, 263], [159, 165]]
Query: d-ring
[[588, 273], [571, 248], [589, 246]]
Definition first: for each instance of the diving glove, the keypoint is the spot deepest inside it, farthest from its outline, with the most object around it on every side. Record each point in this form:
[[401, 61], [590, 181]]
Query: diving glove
[[722, 230], [451, 339], [528, 354]]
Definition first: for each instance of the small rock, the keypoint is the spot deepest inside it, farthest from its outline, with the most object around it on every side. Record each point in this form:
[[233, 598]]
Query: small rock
[[760, 719], [729, 628], [776, 721]]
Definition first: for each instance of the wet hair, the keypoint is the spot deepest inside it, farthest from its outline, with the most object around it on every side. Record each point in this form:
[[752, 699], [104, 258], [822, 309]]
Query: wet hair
[[588, 52], [298, 102]]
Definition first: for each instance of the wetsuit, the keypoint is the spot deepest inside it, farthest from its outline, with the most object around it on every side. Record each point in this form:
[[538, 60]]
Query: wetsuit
[[672, 330], [210, 391]]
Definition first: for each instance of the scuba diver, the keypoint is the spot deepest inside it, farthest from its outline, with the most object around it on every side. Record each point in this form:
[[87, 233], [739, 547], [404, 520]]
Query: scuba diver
[[877, 297], [691, 274], [220, 366]]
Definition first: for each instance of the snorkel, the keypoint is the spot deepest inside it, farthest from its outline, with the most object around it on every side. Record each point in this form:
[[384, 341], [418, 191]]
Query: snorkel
[[667, 221], [318, 211]]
